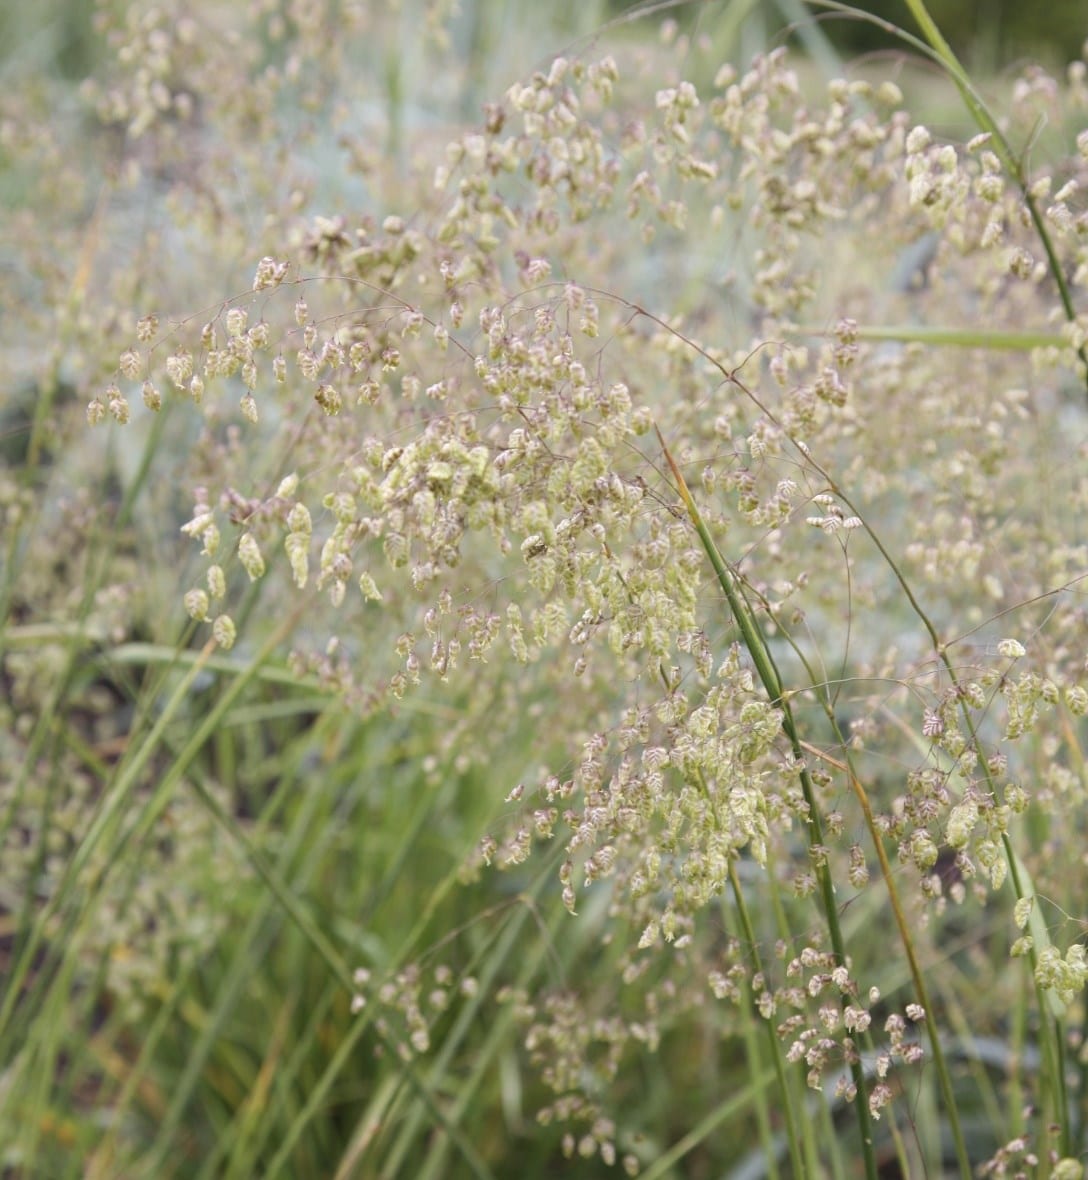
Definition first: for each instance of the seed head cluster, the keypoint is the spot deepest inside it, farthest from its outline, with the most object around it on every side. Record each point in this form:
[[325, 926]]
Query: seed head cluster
[[441, 424]]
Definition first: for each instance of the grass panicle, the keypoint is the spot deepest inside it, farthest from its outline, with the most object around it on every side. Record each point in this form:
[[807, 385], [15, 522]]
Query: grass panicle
[[542, 596]]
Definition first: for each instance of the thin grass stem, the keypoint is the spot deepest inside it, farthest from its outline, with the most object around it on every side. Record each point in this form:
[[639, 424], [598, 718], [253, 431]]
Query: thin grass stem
[[757, 648]]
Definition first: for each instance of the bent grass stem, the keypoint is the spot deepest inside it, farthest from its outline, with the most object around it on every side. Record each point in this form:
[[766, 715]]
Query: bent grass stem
[[768, 674]]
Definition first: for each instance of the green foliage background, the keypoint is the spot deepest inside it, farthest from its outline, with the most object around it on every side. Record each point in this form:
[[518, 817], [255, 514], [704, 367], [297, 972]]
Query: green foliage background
[[989, 34]]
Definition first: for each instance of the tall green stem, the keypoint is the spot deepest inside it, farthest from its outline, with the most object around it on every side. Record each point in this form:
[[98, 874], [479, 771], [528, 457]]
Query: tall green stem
[[757, 648]]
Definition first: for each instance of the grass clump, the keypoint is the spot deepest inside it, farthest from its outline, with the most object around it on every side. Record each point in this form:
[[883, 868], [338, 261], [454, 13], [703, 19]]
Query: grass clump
[[579, 654]]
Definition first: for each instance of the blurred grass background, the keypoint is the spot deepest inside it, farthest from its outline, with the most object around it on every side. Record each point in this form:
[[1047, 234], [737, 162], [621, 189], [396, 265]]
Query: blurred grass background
[[58, 36]]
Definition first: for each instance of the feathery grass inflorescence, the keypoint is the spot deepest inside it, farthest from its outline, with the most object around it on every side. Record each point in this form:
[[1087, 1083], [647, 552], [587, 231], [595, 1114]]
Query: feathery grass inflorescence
[[397, 776]]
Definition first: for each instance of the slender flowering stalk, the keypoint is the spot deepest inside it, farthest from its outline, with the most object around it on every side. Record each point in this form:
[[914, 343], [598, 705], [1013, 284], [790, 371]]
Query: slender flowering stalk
[[938, 48], [757, 648], [991, 127], [1053, 1038], [918, 978], [787, 1108]]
